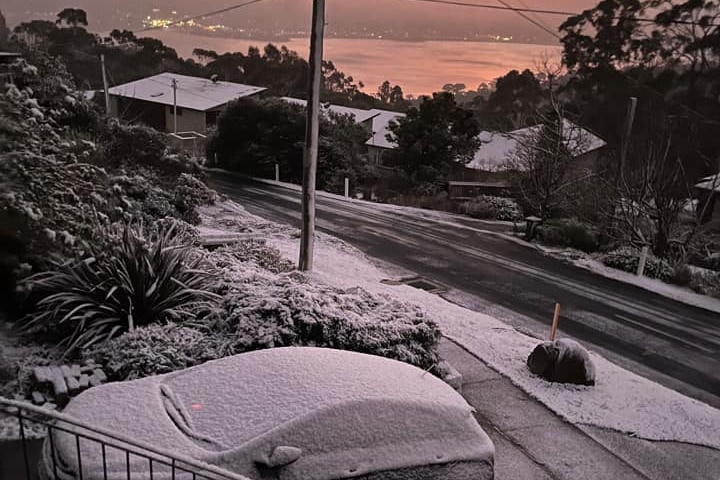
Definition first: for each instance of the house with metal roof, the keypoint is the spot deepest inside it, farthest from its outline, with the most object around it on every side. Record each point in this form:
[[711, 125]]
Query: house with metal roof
[[376, 122], [498, 148], [176, 103]]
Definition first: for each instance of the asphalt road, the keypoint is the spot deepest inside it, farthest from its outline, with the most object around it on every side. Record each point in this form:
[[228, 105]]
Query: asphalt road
[[673, 343]]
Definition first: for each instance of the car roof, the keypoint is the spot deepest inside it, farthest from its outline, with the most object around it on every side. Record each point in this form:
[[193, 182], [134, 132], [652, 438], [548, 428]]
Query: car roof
[[238, 398], [349, 411]]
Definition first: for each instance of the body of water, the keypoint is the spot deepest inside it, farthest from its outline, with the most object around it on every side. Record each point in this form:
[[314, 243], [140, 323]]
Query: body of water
[[418, 67]]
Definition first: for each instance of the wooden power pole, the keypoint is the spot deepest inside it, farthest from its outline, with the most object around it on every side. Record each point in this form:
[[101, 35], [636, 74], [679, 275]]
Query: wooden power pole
[[310, 153], [627, 133], [105, 85]]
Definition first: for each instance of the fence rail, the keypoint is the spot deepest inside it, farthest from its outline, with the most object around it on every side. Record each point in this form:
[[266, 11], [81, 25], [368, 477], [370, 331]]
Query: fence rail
[[96, 453]]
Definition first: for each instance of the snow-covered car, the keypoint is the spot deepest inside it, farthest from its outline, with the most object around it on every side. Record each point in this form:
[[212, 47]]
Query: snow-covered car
[[297, 413]]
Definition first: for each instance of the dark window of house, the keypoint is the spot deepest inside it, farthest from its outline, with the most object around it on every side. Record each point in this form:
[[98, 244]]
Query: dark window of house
[[211, 118]]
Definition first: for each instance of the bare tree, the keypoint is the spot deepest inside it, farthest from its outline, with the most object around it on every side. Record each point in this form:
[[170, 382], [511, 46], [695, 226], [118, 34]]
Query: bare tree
[[654, 203], [541, 167]]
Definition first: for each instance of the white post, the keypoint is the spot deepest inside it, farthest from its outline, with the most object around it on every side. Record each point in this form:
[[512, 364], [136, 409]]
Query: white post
[[643, 260], [277, 172], [347, 187], [174, 87]]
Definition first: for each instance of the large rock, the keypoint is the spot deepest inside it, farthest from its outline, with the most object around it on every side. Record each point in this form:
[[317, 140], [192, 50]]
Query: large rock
[[562, 361]]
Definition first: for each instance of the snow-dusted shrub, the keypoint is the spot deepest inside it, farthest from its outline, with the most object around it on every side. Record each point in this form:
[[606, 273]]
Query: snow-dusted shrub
[[260, 253], [290, 311], [155, 349], [137, 282], [123, 144], [492, 208], [570, 234], [627, 259], [189, 194], [67, 172], [706, 283]]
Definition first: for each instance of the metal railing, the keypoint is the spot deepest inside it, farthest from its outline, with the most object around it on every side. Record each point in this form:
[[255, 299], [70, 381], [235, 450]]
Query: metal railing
[[73, 449]]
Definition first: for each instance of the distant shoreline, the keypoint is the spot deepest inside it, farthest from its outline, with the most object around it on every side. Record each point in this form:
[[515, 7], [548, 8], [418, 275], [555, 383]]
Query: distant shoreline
[[418, 67], [289, 38]]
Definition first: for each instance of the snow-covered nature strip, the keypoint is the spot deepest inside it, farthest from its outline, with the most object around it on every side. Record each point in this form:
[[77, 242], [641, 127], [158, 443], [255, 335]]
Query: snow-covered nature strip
[[620, 401], [679, 294]]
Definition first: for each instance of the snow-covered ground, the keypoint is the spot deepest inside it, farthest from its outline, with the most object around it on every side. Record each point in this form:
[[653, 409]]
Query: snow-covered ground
[[680, 294], [621, 400]]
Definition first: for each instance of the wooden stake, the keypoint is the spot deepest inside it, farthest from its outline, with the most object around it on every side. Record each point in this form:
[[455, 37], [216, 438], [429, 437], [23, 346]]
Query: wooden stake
[[556, 319]]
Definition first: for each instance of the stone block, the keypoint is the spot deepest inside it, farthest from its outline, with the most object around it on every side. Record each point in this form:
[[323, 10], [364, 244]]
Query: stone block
[[60, 389], [87, 368], [73, 385], [42, 375], [37, 398], [84, 381], [49, 406], [100, 374], [66, 371], [75, 370]]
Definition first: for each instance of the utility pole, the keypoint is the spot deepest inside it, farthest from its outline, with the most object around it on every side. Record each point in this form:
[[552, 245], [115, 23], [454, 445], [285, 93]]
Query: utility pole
[[105, 84], [174, 87], [627, 132], [307, 238]]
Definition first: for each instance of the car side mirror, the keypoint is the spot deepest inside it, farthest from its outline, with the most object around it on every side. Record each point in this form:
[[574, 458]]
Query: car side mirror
[[281, 456]]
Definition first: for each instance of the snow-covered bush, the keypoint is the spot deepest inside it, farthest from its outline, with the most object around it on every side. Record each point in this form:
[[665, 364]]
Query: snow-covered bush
[[189, 194], [627, 259], [136, 281], [706, 283], [68, 172], [154, 350], [258, 252], [290, 311], [569, 234], [492, 208]]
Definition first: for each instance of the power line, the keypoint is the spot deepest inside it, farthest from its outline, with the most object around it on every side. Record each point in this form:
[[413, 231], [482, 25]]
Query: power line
[[529, 18], [535, 15], [522, 13], [204, 15], [518, 10]]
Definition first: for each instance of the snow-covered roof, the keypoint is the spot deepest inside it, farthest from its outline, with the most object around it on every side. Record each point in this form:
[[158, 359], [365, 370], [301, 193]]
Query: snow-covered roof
[[358, 114], [194, 93], [498, 147], [711, 183], [344, 410], [381, 120]]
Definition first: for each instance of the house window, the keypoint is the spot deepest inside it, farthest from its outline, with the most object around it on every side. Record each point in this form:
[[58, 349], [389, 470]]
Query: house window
[[211, 118]]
